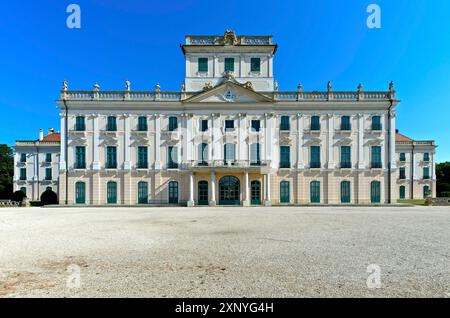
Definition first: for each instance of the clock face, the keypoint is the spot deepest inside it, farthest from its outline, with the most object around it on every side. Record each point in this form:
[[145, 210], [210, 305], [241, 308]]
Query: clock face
[[229, 96]]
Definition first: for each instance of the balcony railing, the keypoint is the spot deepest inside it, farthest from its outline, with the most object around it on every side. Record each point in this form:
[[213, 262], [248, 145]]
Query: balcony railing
[[224, 163]]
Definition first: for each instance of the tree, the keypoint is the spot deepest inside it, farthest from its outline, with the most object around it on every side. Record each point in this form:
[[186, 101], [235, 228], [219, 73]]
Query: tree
[[443, 179], [6, 171]]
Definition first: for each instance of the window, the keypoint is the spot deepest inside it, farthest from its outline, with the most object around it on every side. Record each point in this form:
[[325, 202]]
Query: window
[[80, 124], [111, 157], [142, 123], [284, 192], [229, 153], [402, 192], [111, 192], [375, 192], [203, 125], [23, 173], [426, 191], [256, 125], [255, 64], [315, 123], [229, 124], [48, 157], [23, 157], [426, 157], [402, 171], [80, 157], [172, 157], [255, 158], [284, 123], [203, 154], [142, 162], [48, 173], [229, 64], [376, 123], [426, 173], [376, 157], [202, 65], [345, 123], [173, 123], [346, 161], [314, 192], [285, 157], [345, 192], [402, 157], [24, 190], [314, 157], [111, 123]]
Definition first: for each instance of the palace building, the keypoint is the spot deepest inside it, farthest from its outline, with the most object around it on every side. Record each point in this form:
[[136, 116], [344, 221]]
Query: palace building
[[230, 137]]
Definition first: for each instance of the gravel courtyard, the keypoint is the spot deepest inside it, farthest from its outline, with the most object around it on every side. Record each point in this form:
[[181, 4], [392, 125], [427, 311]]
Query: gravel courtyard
[[224, 252]]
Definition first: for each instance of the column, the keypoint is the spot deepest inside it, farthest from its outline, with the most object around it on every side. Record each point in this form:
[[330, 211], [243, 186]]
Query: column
[[62, 152], [212, 202], [95, 143], [331, 164], [157, 142], [191, 202], [268, 203], [246, 190], [360, 141], [126, 142], [300, 164], [392, 140]]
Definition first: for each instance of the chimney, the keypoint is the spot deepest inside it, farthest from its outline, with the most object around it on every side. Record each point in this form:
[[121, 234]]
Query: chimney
[[41, 134], [50, 131]]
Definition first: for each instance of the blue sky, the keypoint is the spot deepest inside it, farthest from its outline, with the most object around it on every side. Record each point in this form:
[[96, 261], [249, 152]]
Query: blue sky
[[319, 40]]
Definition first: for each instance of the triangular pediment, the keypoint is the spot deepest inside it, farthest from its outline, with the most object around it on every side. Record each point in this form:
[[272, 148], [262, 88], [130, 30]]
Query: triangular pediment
[[229, 92]]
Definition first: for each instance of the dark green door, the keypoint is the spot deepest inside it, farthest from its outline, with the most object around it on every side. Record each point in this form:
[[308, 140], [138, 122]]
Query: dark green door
[[80, 193], [111, 192], [202, 193], [143, 192], [345, 192], [229, 191], [402, 192], [255, 191], [315, 192], [375, 192], [284, 192], [173, 192]]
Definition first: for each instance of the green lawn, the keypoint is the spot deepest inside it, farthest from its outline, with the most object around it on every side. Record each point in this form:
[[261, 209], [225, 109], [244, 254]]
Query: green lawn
[[415, 202]]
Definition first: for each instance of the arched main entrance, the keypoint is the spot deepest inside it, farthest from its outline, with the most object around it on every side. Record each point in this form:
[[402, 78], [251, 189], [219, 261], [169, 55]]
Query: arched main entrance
[[229, 191]]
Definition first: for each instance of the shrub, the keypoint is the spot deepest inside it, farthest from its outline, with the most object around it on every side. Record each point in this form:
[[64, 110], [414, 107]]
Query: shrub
[[18, 196]]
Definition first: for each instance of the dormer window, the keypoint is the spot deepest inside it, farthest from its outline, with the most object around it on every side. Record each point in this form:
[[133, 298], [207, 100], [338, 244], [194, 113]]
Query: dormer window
[[203, 65], [255, 65], [229, 64]]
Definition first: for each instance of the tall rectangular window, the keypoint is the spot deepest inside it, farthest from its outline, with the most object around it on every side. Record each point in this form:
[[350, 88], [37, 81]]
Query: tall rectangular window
[[111, 123], [203, 154], [142, 123], [173, 123], [376, 157], [426, 173], [376, 122], [23, 173], [229, 152], [315, 123], [285, 157], [80, 124], [111, 157], [345, 123], [255, 64], [229, 64], [172, 157], [256, 125], [202, 65], [80, 157], [346, 161], [426, 157], [284, 123], [48, 173], [203, 125], [23, 157], [255, 157], [314, 157], [142, 157], [402, 172], [402, 157], [48, 157]]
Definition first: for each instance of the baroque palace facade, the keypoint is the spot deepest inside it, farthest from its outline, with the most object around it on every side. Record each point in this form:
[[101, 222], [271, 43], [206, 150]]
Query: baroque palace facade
[[230, 137]]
